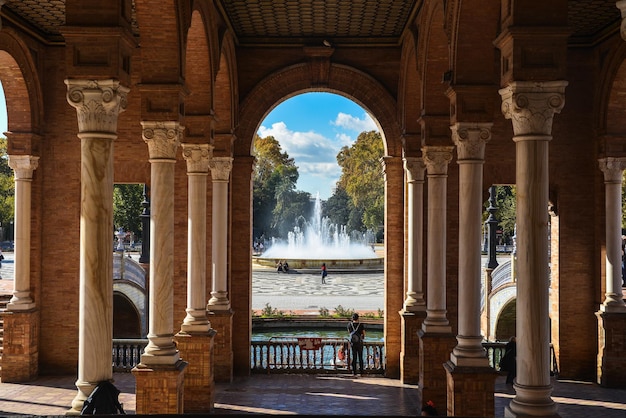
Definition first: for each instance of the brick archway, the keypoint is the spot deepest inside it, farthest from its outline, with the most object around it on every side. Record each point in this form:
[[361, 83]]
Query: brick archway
[[343, 80]]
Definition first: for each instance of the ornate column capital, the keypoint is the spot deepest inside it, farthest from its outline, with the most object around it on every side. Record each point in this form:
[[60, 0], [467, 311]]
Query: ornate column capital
[[162, 138], [23, 165], [531, 105], [197, 157], [612, 168], [470, 140], [415, 169], [436, 159], [98, 104], [221, 168]]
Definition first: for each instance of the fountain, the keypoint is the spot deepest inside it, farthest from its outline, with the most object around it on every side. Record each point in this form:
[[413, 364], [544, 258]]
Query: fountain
[[318, 241]]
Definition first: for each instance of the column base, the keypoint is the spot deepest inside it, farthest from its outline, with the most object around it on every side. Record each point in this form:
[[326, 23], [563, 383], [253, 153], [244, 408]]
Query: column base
[[611, 352], [435, 351], [197, 350], [222, 323], [159, 390], [20, 352], [470, 390], [409, 351], [531, 401]]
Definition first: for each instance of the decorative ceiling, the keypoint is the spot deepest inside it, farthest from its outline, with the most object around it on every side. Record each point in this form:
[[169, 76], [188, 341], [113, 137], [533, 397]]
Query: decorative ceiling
[[271, 22]]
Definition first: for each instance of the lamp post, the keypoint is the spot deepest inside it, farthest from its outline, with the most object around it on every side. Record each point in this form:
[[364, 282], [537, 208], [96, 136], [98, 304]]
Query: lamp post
[[492, 224], [144, 258]]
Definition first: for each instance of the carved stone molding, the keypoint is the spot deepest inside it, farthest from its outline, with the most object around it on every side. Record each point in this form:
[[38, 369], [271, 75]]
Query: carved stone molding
[[163, 139], [613, 169], [470, 140], [531, 105], [98, 104], [437, 159], [23, 165], [415, 169], [221, 168], [197, 157]]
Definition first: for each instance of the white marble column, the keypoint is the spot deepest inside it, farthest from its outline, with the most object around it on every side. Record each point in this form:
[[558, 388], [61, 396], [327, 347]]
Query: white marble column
[[415, 170], [613, 169], [197, 157], [436, 159], [163, 139], [220, 173], [470, 140], [98, 104], [621, 5], [531, 107], [23, 165]]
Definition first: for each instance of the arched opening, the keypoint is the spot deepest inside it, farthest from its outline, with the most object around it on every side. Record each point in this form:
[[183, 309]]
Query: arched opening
[[126, 322], [505, 326]]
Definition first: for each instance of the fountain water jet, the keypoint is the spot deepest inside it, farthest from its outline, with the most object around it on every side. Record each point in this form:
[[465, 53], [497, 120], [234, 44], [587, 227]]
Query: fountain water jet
[[318, 240]]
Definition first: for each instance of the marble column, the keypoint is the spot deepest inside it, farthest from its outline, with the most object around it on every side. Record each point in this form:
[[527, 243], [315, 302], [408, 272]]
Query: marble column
[[621, 5], [220, 173], [436, 159], [98, 104], [163, 139], [531, 107], [470, 140], [23, 165], [415, 169], [613, 169], [197, 157]]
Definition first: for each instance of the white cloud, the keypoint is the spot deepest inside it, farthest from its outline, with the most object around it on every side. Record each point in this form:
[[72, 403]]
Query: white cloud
[[302, 146], [353, 123]]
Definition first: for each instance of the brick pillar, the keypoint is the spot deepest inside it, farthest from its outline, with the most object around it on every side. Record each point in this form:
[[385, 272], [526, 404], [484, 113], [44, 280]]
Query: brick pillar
[[410, 355], [611, 349], [434, 352], [222, 322], [470, 391], [20, 353], [197, 350], [159, 390]]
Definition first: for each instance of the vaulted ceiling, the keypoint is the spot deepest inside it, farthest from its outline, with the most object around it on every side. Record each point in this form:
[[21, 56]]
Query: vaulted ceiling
[[275, 22]]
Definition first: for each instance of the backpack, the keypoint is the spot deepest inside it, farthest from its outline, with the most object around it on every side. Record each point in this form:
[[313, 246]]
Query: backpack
[[355, 335], [103, 401]]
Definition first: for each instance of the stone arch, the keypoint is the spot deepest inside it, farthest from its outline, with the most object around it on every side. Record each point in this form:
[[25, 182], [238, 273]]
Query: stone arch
[[498, 300], [126, 318], [199, 80], [611, 95], [343, 80], [22, 87], [505, 323]]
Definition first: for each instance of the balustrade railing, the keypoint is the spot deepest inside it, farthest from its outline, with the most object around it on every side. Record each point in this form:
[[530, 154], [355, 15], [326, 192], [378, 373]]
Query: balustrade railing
[[314, 355], [304, 355]]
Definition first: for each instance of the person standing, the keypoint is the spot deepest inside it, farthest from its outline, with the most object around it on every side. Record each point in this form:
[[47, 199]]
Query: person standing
[[357, 335], [324, 273], [508, 362]]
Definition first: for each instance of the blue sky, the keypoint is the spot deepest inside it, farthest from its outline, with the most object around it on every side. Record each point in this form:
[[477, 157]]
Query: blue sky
[[312, 128]]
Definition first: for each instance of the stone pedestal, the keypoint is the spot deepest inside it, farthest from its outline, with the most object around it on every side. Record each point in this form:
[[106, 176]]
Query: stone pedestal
[[20, 353], [410, 354], [159, 390], [470, 391], [197, 350], [222, 323], [611, 350], [434, 352]]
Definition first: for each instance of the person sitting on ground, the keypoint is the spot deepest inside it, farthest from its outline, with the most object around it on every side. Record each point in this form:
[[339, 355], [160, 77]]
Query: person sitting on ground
[[279, 267]]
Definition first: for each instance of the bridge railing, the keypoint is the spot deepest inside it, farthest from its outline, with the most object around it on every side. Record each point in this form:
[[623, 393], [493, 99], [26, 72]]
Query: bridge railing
[[313, 355]]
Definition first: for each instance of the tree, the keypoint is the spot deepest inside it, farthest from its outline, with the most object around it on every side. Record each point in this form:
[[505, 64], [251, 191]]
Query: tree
[[127, 208], [276, 203], [362, 178]]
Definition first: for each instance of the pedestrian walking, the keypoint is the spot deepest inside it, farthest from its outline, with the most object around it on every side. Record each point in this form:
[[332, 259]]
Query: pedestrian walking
[[324, 273]]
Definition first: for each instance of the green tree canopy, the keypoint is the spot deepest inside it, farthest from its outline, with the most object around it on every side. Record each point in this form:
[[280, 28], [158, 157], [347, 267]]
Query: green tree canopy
[[127, 208], [362, 178], [7, 189]]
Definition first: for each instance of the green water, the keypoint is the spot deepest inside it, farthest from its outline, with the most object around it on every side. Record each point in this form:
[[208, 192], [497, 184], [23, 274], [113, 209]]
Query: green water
[[370, 335]]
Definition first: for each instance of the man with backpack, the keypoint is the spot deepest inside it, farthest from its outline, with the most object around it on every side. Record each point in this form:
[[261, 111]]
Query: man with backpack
[[357, 335]]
